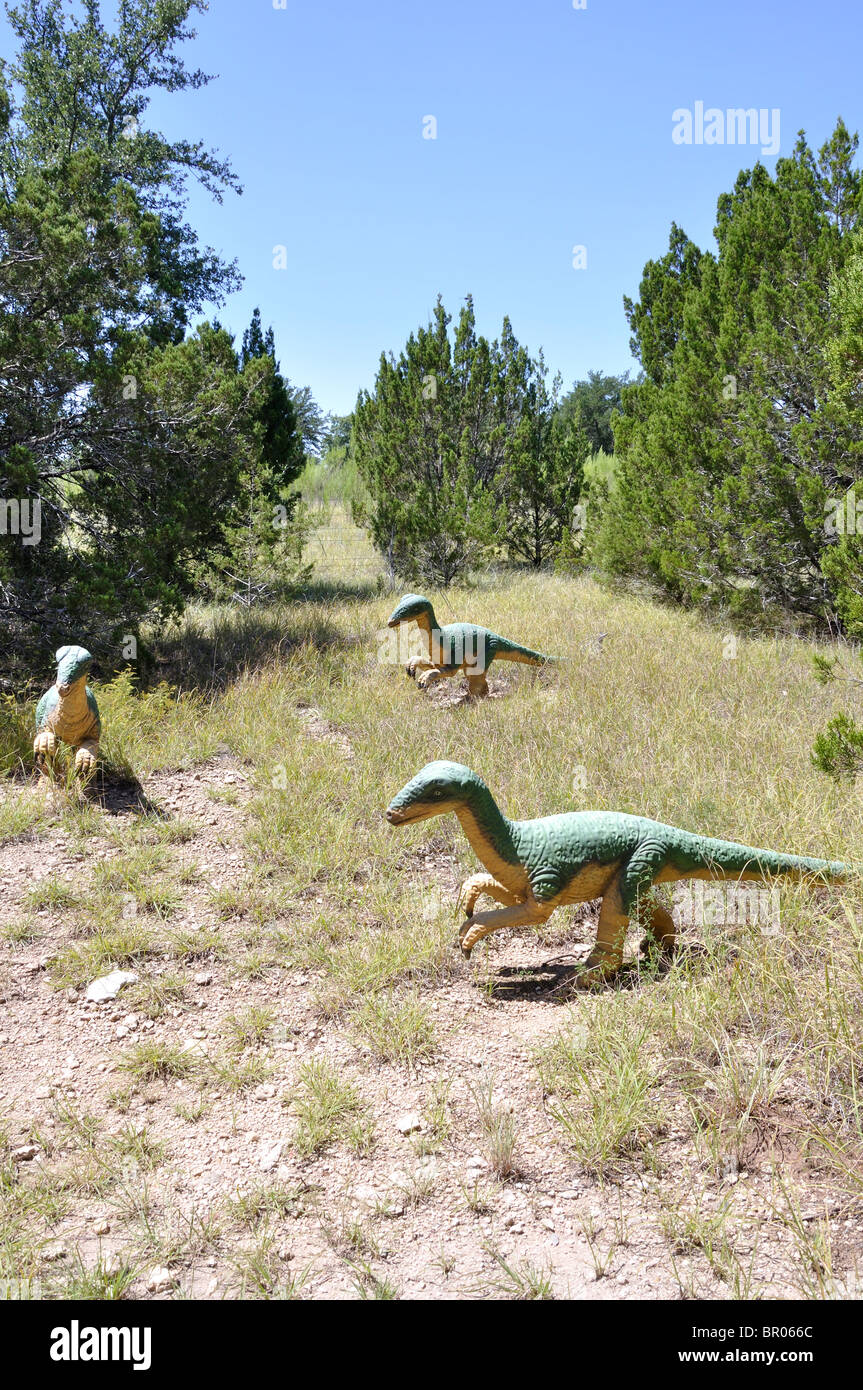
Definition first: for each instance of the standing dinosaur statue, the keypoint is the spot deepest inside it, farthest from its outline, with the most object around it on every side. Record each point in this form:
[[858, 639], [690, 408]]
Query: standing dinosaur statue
[[456, 647], [535, 866], [68, 713]]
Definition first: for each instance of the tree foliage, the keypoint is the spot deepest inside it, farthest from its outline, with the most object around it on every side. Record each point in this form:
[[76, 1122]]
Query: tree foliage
[[265, 526], [124, 431], [593, 403], [460, 454], [747, 427]]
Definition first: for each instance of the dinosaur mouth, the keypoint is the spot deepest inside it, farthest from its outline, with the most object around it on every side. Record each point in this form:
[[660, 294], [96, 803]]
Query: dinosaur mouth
[[396, 817]]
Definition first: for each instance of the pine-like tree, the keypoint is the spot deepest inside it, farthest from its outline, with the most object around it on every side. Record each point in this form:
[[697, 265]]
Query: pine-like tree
[[729, 453], [266, 525]]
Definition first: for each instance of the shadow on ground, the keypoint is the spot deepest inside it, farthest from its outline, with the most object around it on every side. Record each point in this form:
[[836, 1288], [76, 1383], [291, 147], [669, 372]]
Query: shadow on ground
[[122, 796], [213, 656], [554, 981]]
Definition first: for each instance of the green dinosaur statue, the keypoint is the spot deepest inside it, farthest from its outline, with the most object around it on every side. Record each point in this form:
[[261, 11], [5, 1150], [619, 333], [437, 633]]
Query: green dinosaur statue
[[535, 866], [456, 647], [68, 713]]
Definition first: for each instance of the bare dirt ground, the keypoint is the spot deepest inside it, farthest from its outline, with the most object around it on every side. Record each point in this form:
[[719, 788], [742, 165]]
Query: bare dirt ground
[[223, 1205]]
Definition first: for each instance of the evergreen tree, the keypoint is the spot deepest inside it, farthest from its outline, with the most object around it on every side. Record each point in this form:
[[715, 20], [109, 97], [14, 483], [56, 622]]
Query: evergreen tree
[[595, 402], [99, 274], [428, 444], [731, 449], [265, 526], [543, 479]]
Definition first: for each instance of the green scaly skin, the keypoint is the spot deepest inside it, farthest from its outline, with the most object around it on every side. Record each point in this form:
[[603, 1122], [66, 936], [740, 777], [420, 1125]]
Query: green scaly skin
[[535, 866], [68, 713], [457, 647]]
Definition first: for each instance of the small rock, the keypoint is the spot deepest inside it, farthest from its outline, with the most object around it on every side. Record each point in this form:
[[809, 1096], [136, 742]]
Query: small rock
[[25, 1153], [204, 978], [101, 1227], [54, 1252], [270, 1156], [160, 1279], [109, 986], [265, 1092], [408, 1124]]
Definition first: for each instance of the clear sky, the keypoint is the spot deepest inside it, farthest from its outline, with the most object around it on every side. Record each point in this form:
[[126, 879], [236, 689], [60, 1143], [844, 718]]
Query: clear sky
[[554, 130]]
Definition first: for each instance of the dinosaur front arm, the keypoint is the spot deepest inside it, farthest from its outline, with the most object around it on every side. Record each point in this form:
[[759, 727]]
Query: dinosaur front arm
[[476, 885], [433, 674], [86, 757], [418, 663], [45, 749], [526, 914]]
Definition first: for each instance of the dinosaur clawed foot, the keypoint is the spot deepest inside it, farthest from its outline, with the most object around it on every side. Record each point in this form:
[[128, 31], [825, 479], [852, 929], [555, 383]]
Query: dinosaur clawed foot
[[469, 933], [466, 900], [596, 971], [663, 949]]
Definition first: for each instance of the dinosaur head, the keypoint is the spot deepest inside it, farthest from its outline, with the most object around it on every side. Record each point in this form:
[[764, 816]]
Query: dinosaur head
[[438, 788], [409, 607], [73, 665]]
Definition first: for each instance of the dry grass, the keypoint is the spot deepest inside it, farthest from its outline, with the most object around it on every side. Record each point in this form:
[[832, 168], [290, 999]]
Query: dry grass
[[751, 1045]]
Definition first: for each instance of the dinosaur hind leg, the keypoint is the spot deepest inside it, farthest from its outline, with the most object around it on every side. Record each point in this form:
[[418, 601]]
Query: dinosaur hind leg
[[607, 954], [659, 928], [625, 897], [477, 686]]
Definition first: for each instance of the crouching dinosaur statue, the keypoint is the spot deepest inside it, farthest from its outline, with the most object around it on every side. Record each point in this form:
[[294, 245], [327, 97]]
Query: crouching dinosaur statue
[[456, 647], [68, 713], [535, 866]]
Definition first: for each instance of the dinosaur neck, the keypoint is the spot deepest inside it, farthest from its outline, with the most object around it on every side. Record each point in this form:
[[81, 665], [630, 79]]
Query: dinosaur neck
[[489, 832], [72, 708], [426, 622]]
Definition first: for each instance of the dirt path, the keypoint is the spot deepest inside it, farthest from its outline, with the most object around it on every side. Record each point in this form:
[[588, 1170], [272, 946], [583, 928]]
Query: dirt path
[[194, 1183]]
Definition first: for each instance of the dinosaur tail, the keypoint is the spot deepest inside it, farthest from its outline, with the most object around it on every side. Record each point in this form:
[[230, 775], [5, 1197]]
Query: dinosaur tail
[[511, 651], [728, 860]]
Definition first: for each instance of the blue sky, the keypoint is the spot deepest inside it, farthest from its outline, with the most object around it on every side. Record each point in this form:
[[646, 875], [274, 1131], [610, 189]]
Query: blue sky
[[554, 129]]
